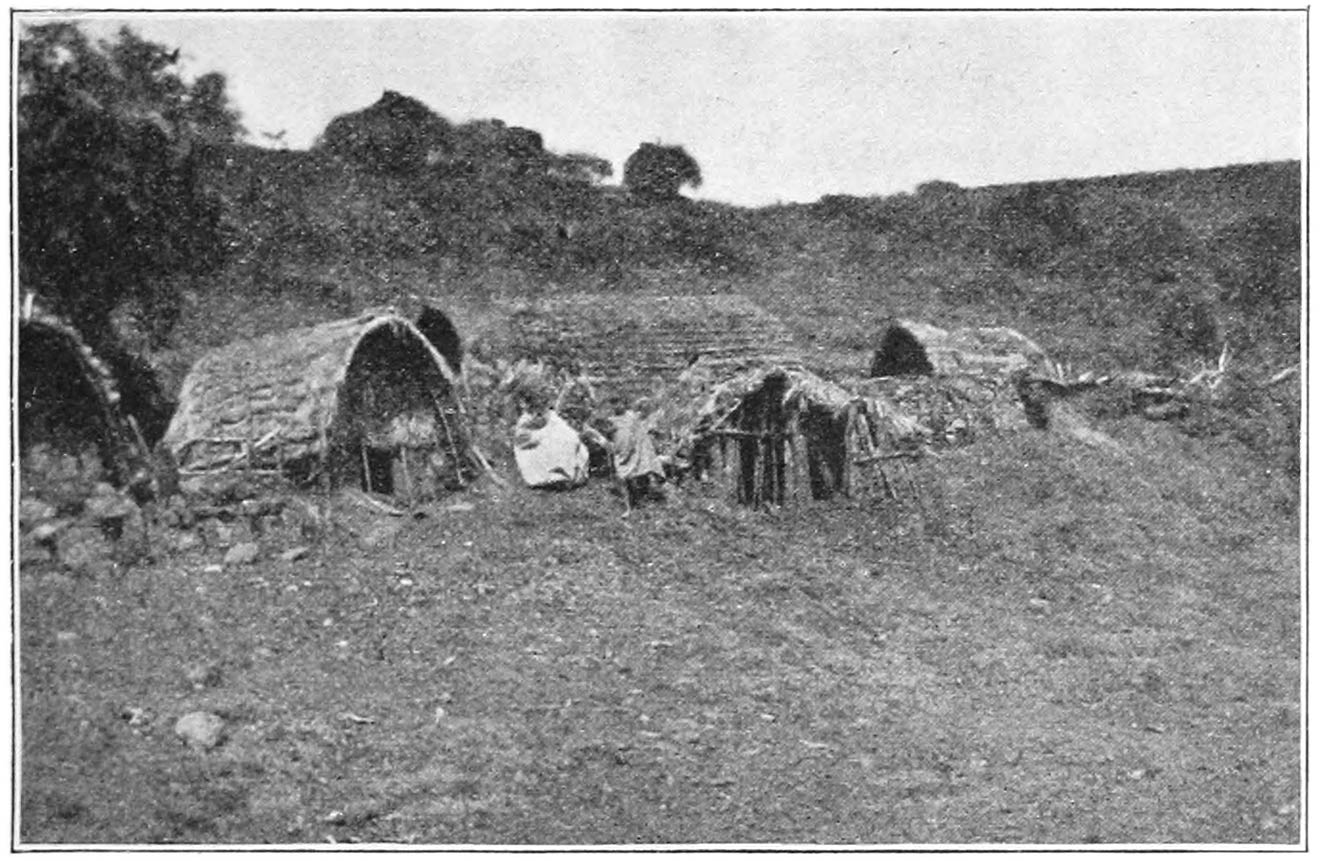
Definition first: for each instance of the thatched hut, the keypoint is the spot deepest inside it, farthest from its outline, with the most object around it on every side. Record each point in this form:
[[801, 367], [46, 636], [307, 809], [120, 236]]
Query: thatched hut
[[958, 383], [628, 344], [366, 402], [910, 348], [777, 436], [69, 402]]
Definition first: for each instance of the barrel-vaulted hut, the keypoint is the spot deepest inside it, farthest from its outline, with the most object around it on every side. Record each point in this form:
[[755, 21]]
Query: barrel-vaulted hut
[[627, 344], [912, 348], [366, 402], [69, 402]]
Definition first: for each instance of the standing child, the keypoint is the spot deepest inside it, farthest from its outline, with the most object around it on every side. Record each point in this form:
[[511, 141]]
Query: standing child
[[632, 454]]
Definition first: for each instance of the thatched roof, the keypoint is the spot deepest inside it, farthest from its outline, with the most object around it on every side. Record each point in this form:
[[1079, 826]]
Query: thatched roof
[[49, 347], [626, 343], [34, 321], [703, 400], [909, 347], [280, 394]]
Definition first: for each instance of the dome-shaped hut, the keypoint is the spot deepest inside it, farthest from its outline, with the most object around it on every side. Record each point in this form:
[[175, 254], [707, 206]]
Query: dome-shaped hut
[[365, 402]]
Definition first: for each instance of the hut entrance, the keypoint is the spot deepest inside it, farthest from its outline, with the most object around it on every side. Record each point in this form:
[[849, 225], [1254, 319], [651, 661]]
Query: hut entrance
[[900, 355], [396, 433], [58, 406], [785, 442], [760, 431], [826, 450], [68, 426]]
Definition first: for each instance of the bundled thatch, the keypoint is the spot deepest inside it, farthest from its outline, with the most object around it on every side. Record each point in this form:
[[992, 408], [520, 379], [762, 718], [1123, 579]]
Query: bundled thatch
[[953, 410], [365, 401], [629, 344], [910, 348], [779, 435], [68, 400]]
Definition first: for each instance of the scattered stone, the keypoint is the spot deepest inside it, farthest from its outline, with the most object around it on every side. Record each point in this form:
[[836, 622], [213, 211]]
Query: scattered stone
[[32, 511], [293, 554], [65, 636], [86, 550], [212, 569], [460, 507], [136, 716], [204, 674], [44, 532], [110, 509], [223, 535], [261, 507], [185, 541], [381, 534], [304, 516], [104, 489], [223, 489], [200, 730], [69, 496], [242, 554]]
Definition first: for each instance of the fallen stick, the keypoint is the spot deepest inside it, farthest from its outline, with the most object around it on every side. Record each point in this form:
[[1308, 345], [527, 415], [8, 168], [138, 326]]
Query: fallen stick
[[1283, 375]]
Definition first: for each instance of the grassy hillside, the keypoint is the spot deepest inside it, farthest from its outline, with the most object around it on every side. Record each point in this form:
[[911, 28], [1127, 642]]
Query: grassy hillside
[[1097, 270], [1045, 643], [1056, 646]]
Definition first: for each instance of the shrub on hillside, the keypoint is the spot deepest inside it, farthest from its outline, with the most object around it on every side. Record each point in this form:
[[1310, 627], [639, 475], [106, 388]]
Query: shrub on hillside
[[1257, 263], [1187, 326], [1265, 420], [397, 134], [658, 234], [937, 188], [1031, 224], [1126, 232], [656, 172]]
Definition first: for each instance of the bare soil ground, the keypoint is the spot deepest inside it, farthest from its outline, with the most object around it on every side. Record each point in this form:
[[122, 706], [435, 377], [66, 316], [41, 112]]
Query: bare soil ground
[[1058, 645]]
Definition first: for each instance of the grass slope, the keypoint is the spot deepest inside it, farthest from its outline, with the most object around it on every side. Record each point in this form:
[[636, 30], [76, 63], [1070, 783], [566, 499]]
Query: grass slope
[[1059, 645]]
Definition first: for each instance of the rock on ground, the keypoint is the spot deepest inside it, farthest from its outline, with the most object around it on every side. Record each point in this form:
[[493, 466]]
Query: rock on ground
[[200, 730], [241, 554]]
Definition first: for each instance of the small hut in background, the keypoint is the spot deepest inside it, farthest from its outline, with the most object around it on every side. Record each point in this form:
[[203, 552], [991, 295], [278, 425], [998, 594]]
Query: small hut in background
[[910, 348], [957, 383], [69, 404], [365, 402], [627, 345]]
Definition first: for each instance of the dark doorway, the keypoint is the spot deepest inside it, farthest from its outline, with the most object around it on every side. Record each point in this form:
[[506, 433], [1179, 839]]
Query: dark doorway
[[900, 355], [438, 329]]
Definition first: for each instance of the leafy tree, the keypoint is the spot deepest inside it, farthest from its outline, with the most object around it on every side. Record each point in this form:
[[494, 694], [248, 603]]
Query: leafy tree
[[398, 134], [656, 172], [109, 205]]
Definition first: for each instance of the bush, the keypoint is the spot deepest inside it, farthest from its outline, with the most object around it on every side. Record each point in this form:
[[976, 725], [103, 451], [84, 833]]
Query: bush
[[1031, 225], [1131, 234], [1187, 325], [397, 134]]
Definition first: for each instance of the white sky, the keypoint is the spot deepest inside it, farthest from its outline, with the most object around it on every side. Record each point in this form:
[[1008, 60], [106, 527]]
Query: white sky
[[791, 105]]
